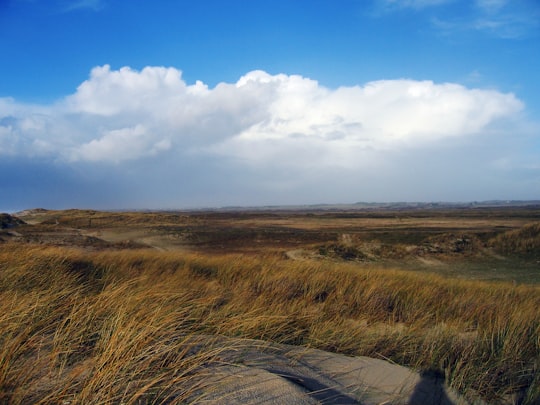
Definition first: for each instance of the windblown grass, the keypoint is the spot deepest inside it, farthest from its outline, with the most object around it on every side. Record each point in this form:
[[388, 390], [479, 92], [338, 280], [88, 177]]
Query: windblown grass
[[117, 327], [525, 240]]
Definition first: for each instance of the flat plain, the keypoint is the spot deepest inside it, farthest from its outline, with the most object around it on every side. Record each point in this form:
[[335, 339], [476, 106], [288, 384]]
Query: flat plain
[[459, 242]]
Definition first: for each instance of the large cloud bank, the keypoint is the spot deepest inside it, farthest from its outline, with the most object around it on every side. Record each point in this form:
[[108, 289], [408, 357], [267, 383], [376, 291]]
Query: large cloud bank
[[119, 115], [278, 132]]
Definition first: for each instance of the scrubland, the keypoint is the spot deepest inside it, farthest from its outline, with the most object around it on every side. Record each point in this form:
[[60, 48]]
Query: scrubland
[[117, 325]]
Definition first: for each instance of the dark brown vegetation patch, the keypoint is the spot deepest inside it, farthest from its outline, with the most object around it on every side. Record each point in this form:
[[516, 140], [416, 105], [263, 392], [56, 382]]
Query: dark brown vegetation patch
[[8, 221]]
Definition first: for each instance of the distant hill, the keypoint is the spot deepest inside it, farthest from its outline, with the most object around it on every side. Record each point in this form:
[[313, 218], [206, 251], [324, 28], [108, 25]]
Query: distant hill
[[390, 206]]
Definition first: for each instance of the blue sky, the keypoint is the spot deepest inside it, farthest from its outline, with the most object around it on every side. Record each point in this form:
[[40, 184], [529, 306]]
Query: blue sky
[[177, 103]]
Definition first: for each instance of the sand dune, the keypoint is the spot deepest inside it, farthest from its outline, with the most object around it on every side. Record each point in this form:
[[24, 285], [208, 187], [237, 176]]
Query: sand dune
[[255, 372]]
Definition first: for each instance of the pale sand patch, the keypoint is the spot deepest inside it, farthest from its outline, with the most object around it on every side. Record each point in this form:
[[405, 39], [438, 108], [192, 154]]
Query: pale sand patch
[[255, 372]]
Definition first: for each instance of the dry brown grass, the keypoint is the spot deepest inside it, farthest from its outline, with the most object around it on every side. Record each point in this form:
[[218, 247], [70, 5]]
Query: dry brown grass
[[114, 327], [525, 240]]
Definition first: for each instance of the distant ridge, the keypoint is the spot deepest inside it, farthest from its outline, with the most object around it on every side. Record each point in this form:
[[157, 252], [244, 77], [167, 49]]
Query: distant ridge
[[360, 206], [382, 206]]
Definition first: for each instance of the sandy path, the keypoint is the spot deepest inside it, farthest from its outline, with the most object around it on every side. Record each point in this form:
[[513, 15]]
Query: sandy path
[[161, 242]]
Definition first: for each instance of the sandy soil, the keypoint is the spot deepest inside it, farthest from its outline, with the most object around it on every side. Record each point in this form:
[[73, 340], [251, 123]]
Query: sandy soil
[[256, 372]]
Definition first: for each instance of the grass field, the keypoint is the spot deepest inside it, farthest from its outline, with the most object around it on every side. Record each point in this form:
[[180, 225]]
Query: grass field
[[103, 307]]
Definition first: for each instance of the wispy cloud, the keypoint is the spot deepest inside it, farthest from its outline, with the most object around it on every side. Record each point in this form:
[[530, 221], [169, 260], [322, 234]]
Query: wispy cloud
[[491, 6], [511, 25], [391, 5], [498, 18], [95, 5]]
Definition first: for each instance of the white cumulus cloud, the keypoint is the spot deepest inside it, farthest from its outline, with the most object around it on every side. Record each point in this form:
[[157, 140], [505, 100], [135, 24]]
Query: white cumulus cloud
[[121, 144], [125, 114], [152, 140]]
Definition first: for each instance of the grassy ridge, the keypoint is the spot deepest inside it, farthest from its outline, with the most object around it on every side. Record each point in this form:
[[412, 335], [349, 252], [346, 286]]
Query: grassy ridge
[[525, 240], [115, 326]]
